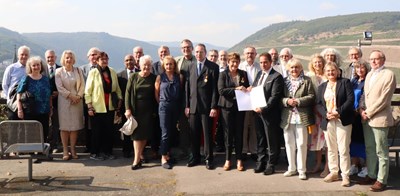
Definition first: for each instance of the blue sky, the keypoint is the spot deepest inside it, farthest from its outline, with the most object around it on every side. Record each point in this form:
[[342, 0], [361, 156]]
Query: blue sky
[[219, 22]]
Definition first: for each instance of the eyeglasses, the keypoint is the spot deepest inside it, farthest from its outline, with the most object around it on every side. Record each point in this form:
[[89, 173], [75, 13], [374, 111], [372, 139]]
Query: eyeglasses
[[375, 59]]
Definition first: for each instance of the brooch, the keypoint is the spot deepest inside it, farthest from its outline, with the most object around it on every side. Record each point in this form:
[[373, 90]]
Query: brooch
[[206, 78]]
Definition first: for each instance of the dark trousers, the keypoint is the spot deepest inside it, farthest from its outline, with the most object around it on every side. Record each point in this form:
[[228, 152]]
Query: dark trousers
[[102, 133], [156, 135], [168, 113], [54, 130], [273, 131], [43, 119], [12, 115], [199, 123], [220, 132], [88, 128], [233, 126], [184, 130]]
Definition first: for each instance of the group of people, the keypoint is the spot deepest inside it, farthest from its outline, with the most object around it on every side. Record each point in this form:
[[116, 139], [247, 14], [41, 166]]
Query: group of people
[[344, 110]]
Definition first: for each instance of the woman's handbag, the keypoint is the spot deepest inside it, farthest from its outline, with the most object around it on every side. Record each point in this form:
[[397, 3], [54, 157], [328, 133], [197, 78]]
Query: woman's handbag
[[129, 127], [28, 102], [27, 99], [12, 99]]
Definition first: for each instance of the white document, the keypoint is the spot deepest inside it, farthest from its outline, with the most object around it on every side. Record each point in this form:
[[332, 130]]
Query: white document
[[248, 101]]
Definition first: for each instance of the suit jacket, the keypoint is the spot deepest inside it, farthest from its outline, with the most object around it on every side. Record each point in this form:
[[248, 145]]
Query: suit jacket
[[85, 70], [273, 93], [280, 69], [346, 71], [378, 98], [226, 87], [122, 81], [201, 91], [305, 93], [344, 102], [52, 80], [156, 69]]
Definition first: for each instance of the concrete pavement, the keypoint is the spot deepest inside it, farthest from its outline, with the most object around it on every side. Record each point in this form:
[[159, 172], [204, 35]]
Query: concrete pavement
[[114, 177]]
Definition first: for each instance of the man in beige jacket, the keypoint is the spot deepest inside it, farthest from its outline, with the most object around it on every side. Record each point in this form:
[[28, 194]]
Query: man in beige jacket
[[379, 88]]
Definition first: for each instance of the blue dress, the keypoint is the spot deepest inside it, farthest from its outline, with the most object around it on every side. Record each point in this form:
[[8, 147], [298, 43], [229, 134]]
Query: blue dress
[[357, 145], [40, 89]]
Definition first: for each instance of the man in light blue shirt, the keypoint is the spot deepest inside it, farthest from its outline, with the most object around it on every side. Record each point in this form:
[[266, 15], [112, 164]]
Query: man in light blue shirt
[[13, 74]]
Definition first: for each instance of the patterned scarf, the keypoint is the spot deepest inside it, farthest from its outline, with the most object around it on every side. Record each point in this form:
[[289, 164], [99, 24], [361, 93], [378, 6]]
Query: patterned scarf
[[294, 83]]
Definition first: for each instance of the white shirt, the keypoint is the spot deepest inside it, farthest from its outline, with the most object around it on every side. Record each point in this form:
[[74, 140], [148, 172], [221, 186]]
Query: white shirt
[[374, 75], [128, 72], [266, 73], [49, 69], [250, 69]]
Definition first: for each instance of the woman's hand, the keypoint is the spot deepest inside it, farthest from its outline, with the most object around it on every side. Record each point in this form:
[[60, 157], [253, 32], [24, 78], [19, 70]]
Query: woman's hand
[[20, 114], [242, 88], [128, 114], [292, 102], [91, 111], [74, 99]]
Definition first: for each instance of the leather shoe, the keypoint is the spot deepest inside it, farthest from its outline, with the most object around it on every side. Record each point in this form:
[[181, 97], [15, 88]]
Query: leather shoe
[[367, 181], [269, 170], [260, 167], [192, 163], [209, 165], [137, 166], [166, 165], [377, 187], [254, 157]]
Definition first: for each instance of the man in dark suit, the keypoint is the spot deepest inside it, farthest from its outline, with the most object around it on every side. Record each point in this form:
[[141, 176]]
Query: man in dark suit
[[123, 78], [269, 116], [201, 105], [50, 71]]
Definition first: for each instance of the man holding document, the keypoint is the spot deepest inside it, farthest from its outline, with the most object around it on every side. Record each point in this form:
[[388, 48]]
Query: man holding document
[[268, 116]]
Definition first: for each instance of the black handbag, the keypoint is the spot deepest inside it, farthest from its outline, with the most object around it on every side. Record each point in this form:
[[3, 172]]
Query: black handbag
[[28, 102]]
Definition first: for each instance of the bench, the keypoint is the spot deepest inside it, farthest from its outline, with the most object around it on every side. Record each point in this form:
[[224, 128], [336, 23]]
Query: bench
[[22, 139], [393, 147]]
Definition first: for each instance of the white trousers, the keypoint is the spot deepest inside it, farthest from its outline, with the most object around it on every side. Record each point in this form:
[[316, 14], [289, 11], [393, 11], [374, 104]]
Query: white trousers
[[338, 138], [296, 137]]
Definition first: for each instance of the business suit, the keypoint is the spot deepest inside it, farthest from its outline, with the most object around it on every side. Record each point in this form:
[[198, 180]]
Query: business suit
[[157, 69], [232, 118], [127, 146], [88, 124], [338, 131], [249, 129], [378, 92], [54, 129], [281, 69], [348, 71], [268, 121], [201, 97]]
